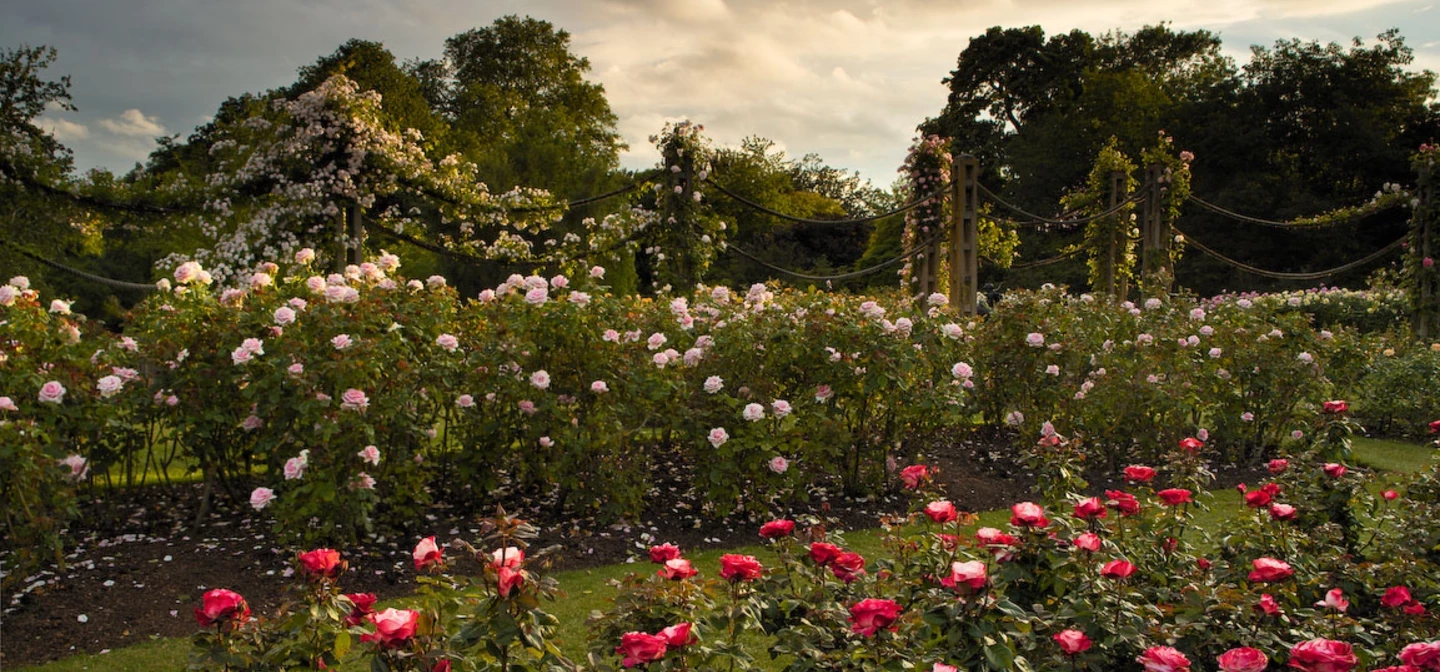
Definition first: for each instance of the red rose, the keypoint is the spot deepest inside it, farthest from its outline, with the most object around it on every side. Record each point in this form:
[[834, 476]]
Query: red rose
[[1272, 489], [1414, 608], [1243, 659], [1072, 642], [1397, 668], [1336, 407], [1267, 605], [220, 605], [1163, 659], [1390, 495], [776, 529], [1028, 514], [1191, 445], [442, 665], [664, 553], [322, 562], [1395, 597], [848, 566], [1334, 470], [1434, 426], [1278, 466], [1090, 509], [1123, 502], [1282, 512], [914, 475], [871, 615], [1270, 570], [1257, 498], [508, 580], [1087, 542], [972, 575], [364, 606], [739, 568], [1203, 564], [1117, 569], [677, 569], [639, 647], [1174, 496], [393, 628], [1138, 474], [1425, 655], [1322, 655], [942, 511], [822, 553], [678, 635], [427, 554]]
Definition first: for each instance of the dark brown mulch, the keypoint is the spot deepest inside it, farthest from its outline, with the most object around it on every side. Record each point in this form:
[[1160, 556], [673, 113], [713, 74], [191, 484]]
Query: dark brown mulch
[[138, 565]]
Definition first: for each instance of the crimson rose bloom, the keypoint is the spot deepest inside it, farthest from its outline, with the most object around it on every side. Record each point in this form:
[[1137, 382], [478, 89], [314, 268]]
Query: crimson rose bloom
[[1390, 495], [1334, 470], [1257, 498], [1425, 655], [1191, 445], [1434, 426], [848, 566], [364, 606], [1090, 509], [776, 529], [1138, 474], [870, 615], [1336, 407], [942, 511], [1028, 514], [393, 628], [1267, 605], [1123, 502], [678, 635], [913, 475], [1117, 569], [822, 553], [1174, 496], [1395, 597], [1270, 570], [639, 647], [1278, 466], [1163, 659], [1243, 659], [664, 553], [322, 562], [1072, 642], [972, 575], [1322, 655], [677, 569], [220, 605], [739, 567]]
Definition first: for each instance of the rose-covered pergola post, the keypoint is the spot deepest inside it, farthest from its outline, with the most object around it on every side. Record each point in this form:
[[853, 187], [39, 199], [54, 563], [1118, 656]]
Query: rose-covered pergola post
[[1422, 279]]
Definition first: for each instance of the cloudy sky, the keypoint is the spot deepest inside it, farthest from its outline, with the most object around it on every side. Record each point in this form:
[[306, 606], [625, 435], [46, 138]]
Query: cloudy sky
[[847, 79]]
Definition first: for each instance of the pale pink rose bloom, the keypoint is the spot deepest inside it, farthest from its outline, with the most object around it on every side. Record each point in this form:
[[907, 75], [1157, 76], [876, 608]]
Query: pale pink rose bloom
[[753, 412], [1052, 370], [540, 379], [580, 298], [779, 464], [172, 400], [335, 293], [599, 387], [661, 359], [1035, 339], [597, 272], [305, 256], [341, 342], [8, 295], [962, 371], [78, 466], [60, 306], [363, 481], [545, 442], [1247, 416], [388, 262], [435, 281], [713, 384], [537, 296], [448, 342], [952, 331], [693, 356], [823, 393], [527, 407], [1207, 330], [294, 468], [315, 284], [1215, 353], [8, 404], [233, 298], [284, 315], [261, 280], [370, 454], [241, 356], [465, 401], [559, 282], [486, 296], [20, 282], [780, 407], [655, 341], [296, 369], [354, 400], [188, 272], [718, 437], [1297, 435], [610, 336], [252, 422], [52, 392], [415, 285], [109, 386], [261, 498], [535, 282], [937, 299]]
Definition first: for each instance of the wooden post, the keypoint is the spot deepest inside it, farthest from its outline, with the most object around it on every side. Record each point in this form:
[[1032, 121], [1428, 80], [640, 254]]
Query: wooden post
[[339, 248], [1426, 320], [1154, 238], [1110, 274], [964, 234], [355, 249]]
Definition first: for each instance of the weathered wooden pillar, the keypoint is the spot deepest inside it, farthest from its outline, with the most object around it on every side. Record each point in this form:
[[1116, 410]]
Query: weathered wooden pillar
[[1154, 236], [964, 233]]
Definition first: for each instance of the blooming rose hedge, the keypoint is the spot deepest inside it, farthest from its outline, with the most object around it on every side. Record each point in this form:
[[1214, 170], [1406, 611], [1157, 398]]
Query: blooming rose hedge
[[359, 397], [1123, 582]]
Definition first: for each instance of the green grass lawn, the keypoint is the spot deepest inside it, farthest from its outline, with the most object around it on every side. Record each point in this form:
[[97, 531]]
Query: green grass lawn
[[588, 590]]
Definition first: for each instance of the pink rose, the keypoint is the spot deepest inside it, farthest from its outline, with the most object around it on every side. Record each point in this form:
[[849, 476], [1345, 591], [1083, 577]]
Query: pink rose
[[1270, 570], [1334, 470], [779, 464], [942, 511], [677, 569], [914, 475], [1163, 659], [639, 648], [871, 615], [8, 404], [972, 575], [1395, 597], [509, 556], [1334, 599], [718, 436], [739, 568], [354, 400], [848, 566], [1323, 655], [1072, 642], [664, 553], [1424, 655], [78, 467], [393, 628], [678, 635], [1117, 569], [1243, 659], [1088, 541], [219, 606], [1139, 473], [1091, 509], [427, 553], [822, 553], [776, 529], [370, 454], [1028, 514], [322, 562], [52, 392], [261, 498]]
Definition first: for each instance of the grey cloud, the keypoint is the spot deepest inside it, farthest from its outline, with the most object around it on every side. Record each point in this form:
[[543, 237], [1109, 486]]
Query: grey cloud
[[134, 123]]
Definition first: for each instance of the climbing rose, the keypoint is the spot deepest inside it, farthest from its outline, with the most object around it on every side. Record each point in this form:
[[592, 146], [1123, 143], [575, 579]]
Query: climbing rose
[[871, 615]]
